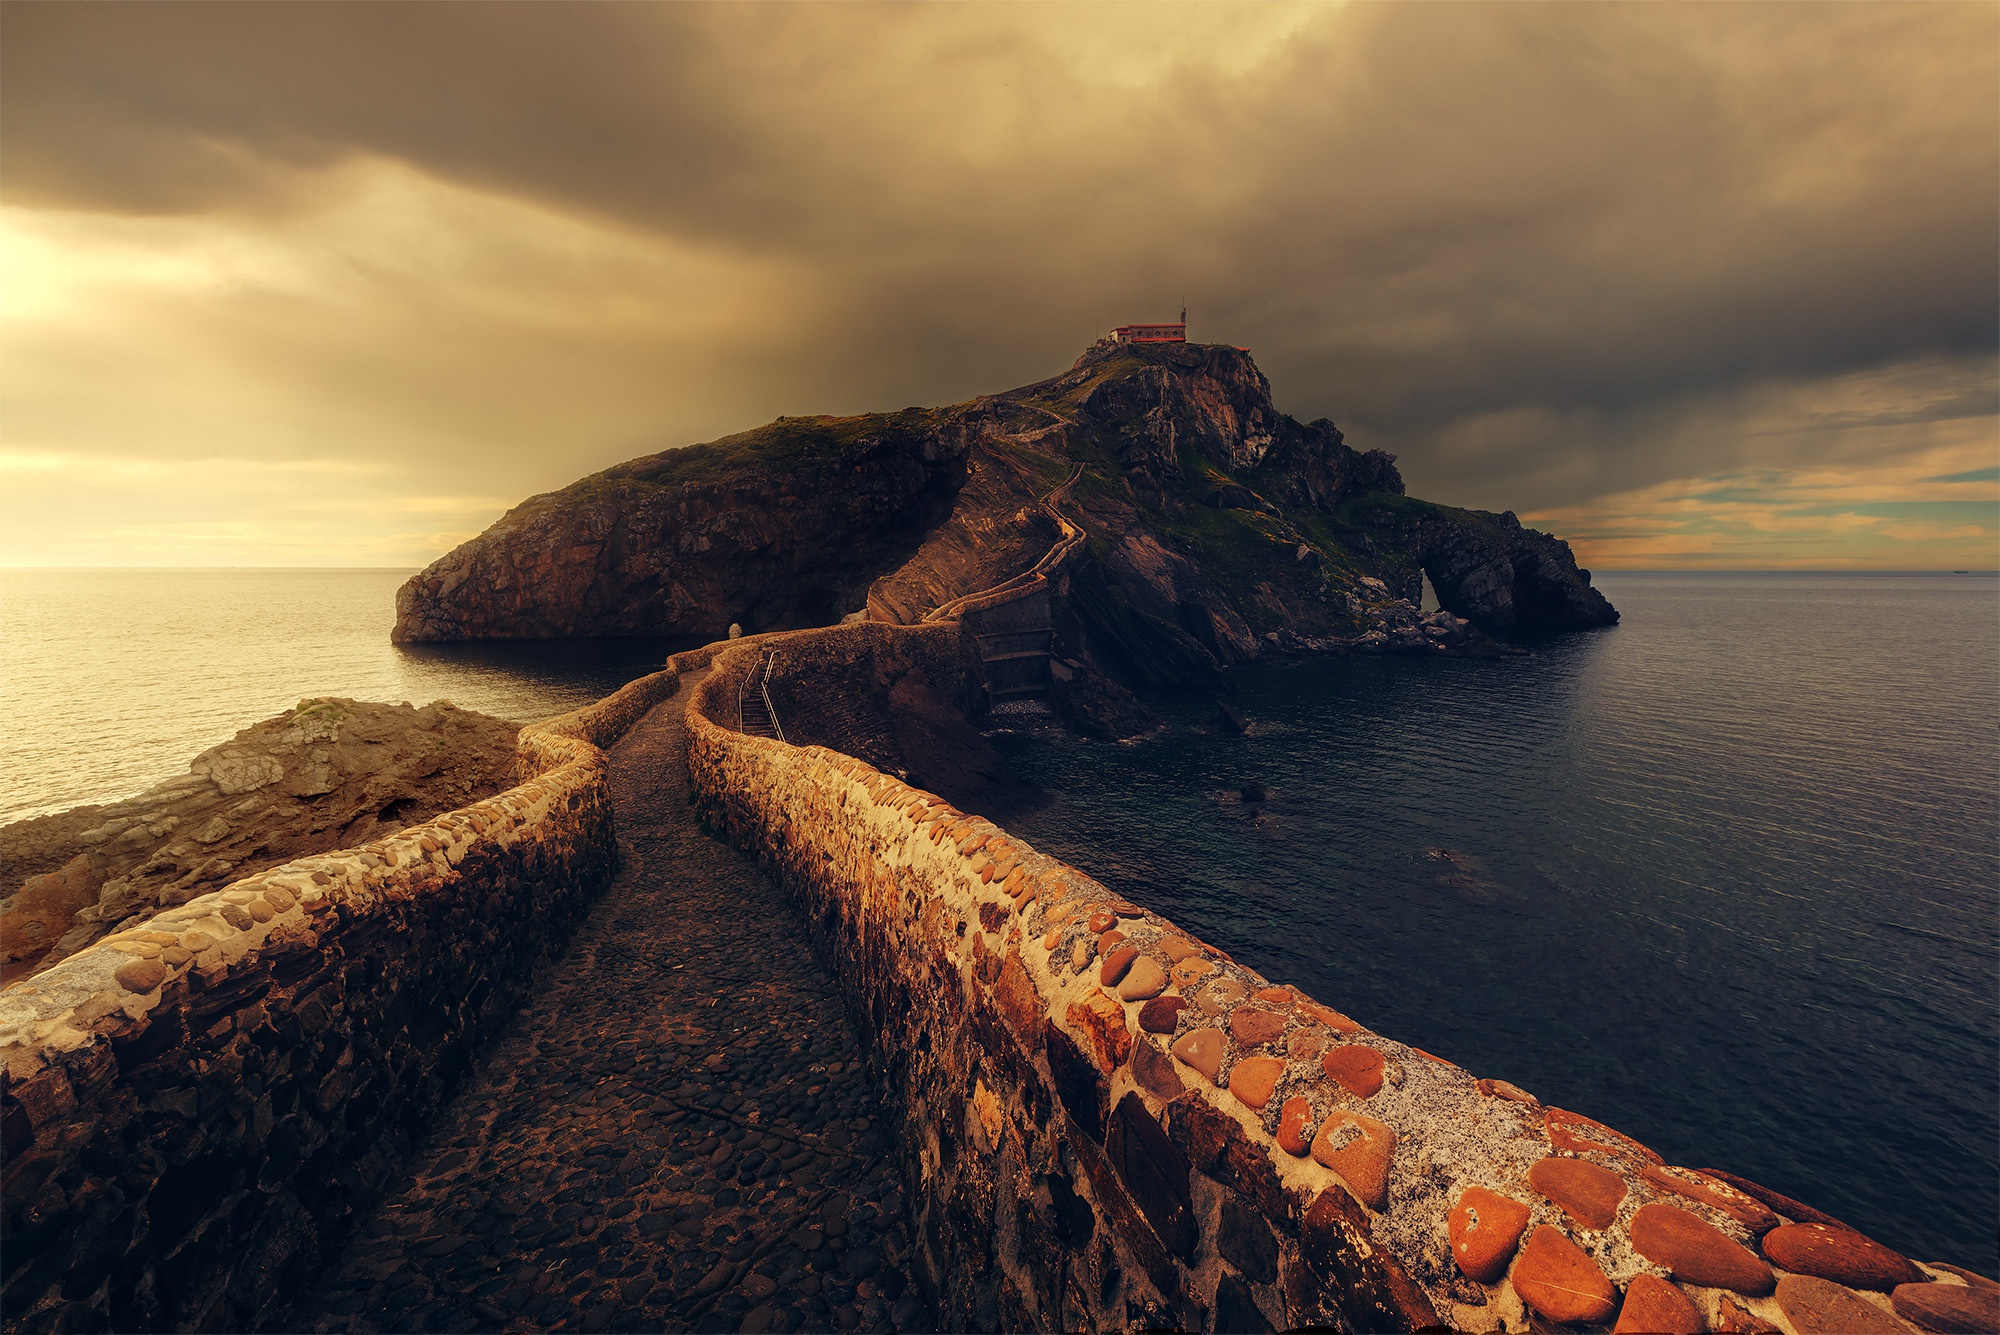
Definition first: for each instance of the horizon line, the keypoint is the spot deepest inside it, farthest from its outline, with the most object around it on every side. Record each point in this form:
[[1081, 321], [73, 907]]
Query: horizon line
[[1594, 570]]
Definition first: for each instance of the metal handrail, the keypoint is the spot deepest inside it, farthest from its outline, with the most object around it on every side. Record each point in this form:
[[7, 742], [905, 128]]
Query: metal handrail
[[762, 684], [770, 665]]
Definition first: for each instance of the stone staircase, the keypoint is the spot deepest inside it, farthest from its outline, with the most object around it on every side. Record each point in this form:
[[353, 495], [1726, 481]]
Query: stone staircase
[[754, 712], [1011, 622]]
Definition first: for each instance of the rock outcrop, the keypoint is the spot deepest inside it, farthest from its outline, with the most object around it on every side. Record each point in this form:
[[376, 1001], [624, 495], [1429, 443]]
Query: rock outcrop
[[329, 774], [779, 527], [1218, 527]]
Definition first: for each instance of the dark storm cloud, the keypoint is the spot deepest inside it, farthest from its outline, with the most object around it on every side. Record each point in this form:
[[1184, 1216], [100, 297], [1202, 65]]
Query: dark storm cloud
[[1528, 247]]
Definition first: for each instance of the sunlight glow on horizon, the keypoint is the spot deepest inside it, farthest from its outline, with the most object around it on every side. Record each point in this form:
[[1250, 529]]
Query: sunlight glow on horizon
[[1712, 312]]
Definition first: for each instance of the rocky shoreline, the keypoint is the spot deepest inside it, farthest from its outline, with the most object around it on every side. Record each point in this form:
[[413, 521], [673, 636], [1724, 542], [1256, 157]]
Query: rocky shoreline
[[327, 774]]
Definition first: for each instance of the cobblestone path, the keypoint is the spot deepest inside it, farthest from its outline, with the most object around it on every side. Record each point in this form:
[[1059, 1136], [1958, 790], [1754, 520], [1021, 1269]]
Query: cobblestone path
[[676, 1134]]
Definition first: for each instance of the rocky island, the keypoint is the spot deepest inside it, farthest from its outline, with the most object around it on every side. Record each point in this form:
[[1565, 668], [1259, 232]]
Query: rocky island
[[834, 1049], [1216, 530]]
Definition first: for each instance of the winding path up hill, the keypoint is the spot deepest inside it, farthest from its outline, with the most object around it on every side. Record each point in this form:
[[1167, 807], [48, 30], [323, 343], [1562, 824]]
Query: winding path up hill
[[1218, 529], [676, 1133]]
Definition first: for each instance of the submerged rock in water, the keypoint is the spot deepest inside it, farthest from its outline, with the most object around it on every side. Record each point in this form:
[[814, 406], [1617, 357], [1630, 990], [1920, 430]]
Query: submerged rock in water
[[329, 774]]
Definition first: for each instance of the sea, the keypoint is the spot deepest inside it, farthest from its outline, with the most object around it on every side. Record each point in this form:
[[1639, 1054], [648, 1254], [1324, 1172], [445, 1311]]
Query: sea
[[113, 680], [1725, 876]]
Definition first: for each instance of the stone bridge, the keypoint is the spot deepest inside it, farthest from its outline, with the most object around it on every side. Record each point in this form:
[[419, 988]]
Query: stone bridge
[[566, 1059]]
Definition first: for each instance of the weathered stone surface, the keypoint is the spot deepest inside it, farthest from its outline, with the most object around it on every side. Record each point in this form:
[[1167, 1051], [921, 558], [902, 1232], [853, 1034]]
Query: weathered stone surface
[[1329, 1017], [1253, 1027], [1733, 1318], [141, 975], [1079, 1085], [1363, 1286], [1972, 1277], [1949, 1309], [1161, 1014], [1155, 1173], [1588, 1193], [1244, 1239], [1580, 1135], [1696, 1251], [1115, 964], [1485, 1228], [1217, 1145], [1144, 981], [1253, 1079], [1817, 1306], [1838, 1254], [1359, 1149], [1753, 1214], [1501, 1089], [1220, 995], [1101, 1018], [1358, 1069], [1017, 999], [1236, 1308], [1155, 1073], [1556, 1279], [1202, 1049], [1295, 1126], [1654, 1307]]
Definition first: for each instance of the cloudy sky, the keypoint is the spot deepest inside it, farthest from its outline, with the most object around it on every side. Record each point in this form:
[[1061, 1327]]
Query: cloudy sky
[[335, 285]]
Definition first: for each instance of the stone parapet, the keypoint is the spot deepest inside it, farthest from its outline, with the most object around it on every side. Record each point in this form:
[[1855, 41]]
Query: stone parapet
[[194, 1110], [1113, 1125]]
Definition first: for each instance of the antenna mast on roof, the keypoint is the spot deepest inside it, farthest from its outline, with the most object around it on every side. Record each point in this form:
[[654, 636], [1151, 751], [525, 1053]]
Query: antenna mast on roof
[[1183, 311]]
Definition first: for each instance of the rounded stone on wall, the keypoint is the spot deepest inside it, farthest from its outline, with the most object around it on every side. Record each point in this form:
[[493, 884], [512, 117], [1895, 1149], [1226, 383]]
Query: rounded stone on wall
[[1359, 1149], [140, 975], [1697, 1252], [1817, 1306], [1485, 1229], [1554, 1277], [1949, 1309], [1839, 1254], [1589, 1194], [1201, 1049], [1654, 1307]]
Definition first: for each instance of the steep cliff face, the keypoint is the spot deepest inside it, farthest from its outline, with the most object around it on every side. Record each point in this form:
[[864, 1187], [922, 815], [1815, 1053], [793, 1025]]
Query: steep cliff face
[[1219, 529], [784, 526]]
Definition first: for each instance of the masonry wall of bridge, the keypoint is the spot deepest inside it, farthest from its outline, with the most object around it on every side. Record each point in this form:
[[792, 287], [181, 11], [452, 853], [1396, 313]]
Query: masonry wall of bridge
[[195, 1111], [1111, 1124]]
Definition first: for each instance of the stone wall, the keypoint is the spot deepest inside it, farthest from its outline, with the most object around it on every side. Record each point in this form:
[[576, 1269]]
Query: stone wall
[[1113, 1125], [194, 1111], [837, 683]]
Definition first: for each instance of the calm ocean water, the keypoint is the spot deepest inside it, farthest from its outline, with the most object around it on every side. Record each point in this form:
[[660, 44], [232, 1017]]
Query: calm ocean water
[[112, 680], [1726, 876]]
